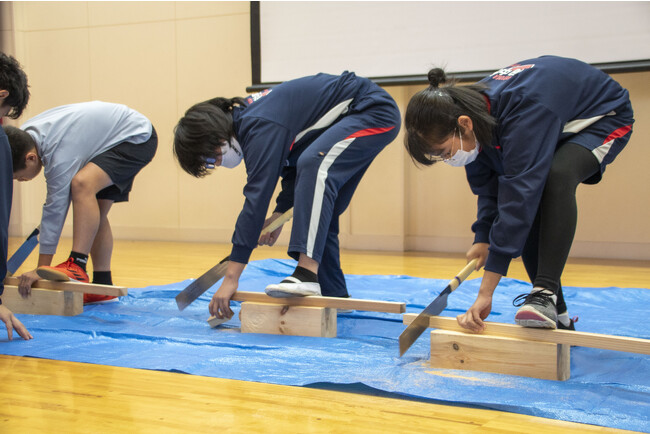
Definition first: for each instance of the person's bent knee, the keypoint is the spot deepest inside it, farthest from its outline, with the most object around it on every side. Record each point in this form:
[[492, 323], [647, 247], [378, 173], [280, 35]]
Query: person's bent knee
[[80, 186], [310, 161], [560, 181]]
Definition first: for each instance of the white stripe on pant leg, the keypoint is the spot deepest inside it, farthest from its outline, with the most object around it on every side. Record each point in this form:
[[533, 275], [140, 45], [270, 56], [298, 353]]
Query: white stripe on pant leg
[[327, 119], [319, 191]]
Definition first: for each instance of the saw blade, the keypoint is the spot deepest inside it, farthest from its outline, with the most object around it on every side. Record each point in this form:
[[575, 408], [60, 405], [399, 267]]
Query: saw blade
[[17, 259], [195, 289], [421, 322]]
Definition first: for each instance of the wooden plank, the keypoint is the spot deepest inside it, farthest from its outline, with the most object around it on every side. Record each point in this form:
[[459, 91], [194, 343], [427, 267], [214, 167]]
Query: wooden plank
[[43, 302], [213, 321], [568, 337], [315, 301], [288, 320], [510, 356], [88, 288]]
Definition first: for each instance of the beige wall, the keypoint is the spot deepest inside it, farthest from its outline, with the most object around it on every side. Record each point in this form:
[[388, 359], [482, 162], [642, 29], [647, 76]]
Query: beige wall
[[161, 57]]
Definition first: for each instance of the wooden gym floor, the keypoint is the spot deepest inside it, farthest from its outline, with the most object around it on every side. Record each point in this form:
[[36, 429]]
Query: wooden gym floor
[[39, 395]]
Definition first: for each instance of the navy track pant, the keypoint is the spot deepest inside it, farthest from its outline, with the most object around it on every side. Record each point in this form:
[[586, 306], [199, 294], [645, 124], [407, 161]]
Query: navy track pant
[[328, 172]]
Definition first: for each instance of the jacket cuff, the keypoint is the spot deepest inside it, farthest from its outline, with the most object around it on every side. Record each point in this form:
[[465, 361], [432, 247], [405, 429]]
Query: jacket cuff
[[283, 207], [281, 210], [482, 237], [240, 254], [497, 263]]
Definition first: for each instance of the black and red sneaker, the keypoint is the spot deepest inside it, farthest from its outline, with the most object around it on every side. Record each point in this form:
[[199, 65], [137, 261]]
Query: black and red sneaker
[[94, 298], [63, 272], [571, 326]]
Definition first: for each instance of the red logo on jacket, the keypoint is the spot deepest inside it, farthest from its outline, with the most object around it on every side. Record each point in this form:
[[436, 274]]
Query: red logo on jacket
[[251, 99], [510, 71]]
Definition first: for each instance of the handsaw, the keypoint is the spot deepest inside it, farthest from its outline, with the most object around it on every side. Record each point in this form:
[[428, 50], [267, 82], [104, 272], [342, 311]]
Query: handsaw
[[17, 259], [195, 289], [421, 322]]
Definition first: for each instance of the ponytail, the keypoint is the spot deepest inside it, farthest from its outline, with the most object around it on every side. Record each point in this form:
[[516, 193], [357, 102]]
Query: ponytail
[[226, 104], [436, 77]]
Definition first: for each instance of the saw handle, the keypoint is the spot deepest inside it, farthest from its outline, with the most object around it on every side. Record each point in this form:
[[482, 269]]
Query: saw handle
[[463, 274], [278, 222]]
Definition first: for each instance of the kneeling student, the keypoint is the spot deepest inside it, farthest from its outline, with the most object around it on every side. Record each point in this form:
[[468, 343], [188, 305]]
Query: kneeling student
[[91, 153]]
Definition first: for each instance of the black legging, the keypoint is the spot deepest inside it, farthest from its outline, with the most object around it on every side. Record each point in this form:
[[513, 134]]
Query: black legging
[[550, 238]]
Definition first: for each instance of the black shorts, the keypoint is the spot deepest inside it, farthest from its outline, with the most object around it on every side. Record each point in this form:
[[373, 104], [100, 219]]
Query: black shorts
[[122, 162]]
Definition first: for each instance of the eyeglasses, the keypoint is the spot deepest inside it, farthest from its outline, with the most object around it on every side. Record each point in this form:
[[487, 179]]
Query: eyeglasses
[[447, 155], [437, 158]]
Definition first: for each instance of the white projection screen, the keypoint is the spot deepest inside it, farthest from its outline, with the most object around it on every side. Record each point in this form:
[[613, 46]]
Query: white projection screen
[[403, 40]]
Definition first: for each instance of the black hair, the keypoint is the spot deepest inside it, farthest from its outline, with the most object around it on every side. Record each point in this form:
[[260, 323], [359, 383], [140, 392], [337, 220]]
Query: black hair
[[201, 132], [432, 115], [20, 143], [14, 80]]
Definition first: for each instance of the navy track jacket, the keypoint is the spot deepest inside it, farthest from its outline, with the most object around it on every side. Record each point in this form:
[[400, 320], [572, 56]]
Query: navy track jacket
[[6, 192], [537, 103], [272, 129]]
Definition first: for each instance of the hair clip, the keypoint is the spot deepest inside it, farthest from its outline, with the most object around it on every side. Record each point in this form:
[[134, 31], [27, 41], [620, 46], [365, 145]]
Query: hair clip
[[209, 162]]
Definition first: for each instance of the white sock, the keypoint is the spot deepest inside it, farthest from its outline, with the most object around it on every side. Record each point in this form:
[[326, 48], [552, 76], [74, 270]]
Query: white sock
[[564, 318], [546, 291]]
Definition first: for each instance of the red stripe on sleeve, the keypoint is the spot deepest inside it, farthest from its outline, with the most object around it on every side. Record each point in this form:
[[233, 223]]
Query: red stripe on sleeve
[[369, 132]]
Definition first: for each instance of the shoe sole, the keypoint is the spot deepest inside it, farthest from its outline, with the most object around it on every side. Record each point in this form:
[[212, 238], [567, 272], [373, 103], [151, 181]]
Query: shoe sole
[[112, 298], [51, 274], [278, 293], [283, 290], [344, 311], [534, 319]]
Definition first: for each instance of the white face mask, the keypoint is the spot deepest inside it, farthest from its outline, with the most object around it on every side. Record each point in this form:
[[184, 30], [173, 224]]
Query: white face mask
[[461, 157], [231, 154]]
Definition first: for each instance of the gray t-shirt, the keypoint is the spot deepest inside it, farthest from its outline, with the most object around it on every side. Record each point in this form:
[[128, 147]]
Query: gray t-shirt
[[67, 138]]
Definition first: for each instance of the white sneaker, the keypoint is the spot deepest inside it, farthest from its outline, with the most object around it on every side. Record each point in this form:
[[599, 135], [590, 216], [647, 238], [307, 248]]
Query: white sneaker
[[292, 287]]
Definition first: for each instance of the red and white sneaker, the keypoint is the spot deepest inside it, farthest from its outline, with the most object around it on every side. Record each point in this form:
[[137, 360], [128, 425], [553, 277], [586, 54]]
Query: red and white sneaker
[[94, 298], [63, 272]]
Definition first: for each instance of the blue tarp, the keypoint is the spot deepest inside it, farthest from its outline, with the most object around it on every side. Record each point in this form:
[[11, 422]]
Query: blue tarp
[[145, 330]]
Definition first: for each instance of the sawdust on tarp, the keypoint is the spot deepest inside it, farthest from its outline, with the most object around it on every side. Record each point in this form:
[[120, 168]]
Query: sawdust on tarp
[[490, 381]]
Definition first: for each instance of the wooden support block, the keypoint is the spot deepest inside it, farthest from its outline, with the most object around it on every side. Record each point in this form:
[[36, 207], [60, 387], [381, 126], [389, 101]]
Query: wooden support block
[[87, 288], [288, 320], [329, 304], [457, 350], [44, 302]]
